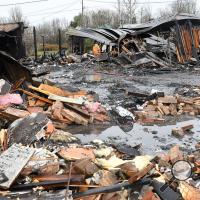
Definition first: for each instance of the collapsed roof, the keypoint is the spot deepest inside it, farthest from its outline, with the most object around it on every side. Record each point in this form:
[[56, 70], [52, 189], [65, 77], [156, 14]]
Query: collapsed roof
[[111, 36]]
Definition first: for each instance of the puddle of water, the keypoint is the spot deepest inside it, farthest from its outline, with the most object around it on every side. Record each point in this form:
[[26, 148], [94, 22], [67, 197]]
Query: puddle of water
[[153, 138]]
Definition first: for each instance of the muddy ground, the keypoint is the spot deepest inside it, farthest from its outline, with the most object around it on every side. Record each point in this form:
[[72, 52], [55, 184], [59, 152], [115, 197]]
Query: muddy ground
[[110, 83]]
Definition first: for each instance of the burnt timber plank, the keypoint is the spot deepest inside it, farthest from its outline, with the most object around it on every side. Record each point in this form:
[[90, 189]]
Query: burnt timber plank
[[12, 161]]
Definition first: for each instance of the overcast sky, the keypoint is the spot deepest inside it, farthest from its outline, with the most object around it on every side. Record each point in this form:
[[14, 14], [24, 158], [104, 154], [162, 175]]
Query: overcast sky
[[43, 11]]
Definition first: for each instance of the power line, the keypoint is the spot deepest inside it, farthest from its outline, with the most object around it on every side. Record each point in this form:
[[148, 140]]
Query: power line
[[141, 3], [22, 3], [58, 11], [66, 6], [47, 9]]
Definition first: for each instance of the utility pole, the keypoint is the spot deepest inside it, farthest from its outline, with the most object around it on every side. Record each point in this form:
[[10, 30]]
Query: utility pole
[[82, 15], [59, 41], [119, 10], [35, 42], [130, 14]]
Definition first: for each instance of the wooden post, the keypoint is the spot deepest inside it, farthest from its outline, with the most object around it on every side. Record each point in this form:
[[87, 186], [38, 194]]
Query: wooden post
[[59, 41], [43, 45], [35, 43]]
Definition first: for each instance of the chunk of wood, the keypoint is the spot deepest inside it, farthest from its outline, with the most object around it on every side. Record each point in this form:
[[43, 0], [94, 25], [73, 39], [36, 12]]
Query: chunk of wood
[[81, 112], [60, 92], [160, 110], [182, 131], [175, 154], [173, 109], [57, 177], [178, 132], [67, 100], [187, 127], [39, 90], [74, 117], [4, 139], [188, 192], [185, 100], [12, 114], [101, 117], [167, 100], [12, 161], [32, 109], [129, 169], [53, 90], [36, 96], [165, 109], [85, 166]]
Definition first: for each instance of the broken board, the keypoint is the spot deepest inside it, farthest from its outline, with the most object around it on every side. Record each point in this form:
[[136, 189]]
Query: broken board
[[12, 161]]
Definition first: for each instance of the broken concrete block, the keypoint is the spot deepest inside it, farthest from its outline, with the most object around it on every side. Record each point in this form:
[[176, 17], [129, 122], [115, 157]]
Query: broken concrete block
[[24, 130], [4, 87], [167, 100]]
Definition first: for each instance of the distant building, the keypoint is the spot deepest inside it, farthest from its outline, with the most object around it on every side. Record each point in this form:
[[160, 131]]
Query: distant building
[[11, 39]]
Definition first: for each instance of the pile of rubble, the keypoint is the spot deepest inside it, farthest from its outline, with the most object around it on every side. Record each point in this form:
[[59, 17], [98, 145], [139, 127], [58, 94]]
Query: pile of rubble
[[155, 110], [96, 171], [52, 163], [61, 106]]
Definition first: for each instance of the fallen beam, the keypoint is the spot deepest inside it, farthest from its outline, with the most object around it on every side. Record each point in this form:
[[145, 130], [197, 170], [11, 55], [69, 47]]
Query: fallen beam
[[67, 100], [36, 96]]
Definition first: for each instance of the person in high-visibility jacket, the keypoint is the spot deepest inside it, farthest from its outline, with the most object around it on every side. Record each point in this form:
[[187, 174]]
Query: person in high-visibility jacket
[[96, 50]]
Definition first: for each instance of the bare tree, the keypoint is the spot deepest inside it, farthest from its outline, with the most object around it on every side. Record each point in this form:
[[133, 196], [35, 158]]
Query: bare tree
[[184, 6], [96, 19], [146, 14], [16, 14], [128, 12], [180, 6]]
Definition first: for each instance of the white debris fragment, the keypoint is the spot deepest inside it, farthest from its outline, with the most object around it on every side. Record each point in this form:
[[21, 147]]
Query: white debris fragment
[[124, 112]]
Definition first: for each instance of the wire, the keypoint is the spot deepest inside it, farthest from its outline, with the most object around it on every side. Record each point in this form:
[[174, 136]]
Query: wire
[[58, 11], [54, 12], [46, 9], [148, 2], [22, 3]]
